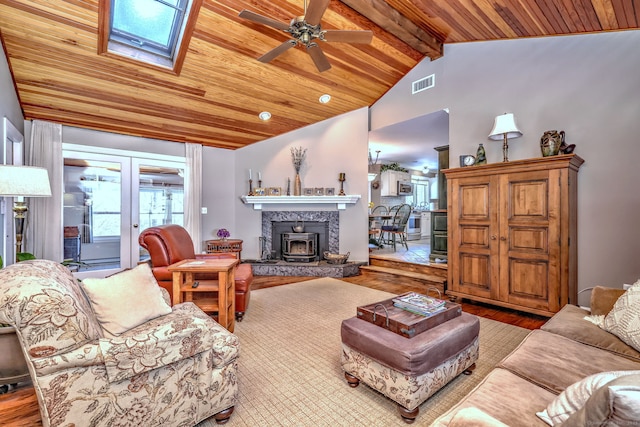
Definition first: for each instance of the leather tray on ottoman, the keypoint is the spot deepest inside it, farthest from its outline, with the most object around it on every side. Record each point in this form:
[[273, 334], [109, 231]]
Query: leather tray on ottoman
[[408, 370]]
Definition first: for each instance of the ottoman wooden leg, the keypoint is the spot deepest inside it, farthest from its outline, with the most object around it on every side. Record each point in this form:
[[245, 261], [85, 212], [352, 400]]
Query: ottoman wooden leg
[[407, 415], [469, 370], [353, 381], [223, 416]]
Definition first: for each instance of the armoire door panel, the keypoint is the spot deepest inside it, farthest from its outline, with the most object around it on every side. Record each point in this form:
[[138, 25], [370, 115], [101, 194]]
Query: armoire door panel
[[529, 239], [474, 202], [474, 236], [528, 200], [475, 274], [528, 278]]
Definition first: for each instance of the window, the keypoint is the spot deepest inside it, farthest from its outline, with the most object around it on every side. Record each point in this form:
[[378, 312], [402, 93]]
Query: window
[[155, 32], [420, 198], [161, 206], [149, 25]]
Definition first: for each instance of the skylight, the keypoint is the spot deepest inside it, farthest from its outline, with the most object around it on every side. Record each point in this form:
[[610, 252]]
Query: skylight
[[151, 31], [150, 25]]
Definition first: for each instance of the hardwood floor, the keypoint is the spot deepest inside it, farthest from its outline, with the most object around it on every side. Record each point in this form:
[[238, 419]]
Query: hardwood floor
[[19, 407]]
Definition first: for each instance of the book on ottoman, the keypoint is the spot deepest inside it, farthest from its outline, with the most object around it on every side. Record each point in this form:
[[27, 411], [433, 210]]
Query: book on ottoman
[[403, 322]]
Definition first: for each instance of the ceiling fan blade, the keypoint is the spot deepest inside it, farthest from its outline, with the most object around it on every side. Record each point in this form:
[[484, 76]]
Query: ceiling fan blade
[[252, 16], [318, 56], [347, 36], [269, 56], [314, 12]]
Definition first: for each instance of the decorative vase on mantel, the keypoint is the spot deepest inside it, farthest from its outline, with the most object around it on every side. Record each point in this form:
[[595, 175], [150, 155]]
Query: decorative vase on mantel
[[297, 185]]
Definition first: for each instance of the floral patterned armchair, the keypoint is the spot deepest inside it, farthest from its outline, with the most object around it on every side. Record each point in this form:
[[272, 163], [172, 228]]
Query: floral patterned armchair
[[175, 370]]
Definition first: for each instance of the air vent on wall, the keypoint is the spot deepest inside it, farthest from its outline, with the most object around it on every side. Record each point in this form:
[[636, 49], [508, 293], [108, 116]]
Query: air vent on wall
[[423, 84]]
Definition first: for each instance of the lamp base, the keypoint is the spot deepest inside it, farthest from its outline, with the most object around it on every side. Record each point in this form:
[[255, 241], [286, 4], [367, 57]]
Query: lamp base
[[505, 149], [20, 213]]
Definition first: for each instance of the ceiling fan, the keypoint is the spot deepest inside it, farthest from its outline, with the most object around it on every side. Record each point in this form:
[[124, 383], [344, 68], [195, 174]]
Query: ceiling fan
[[306, 30]]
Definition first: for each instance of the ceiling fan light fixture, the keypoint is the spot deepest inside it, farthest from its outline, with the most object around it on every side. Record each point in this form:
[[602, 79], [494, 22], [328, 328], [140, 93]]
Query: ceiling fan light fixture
[[264, 116], [324, 99], [305, 30]]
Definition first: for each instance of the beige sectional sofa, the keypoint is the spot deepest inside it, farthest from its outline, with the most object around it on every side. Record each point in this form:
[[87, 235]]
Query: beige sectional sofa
[[565, 351]]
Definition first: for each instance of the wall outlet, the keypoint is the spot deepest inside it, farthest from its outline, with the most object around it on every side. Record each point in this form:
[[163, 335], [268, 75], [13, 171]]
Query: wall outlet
[[203, 211], [626, 286]]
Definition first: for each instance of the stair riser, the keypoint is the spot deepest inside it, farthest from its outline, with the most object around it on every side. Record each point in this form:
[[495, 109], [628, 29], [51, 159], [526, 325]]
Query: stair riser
[[416, 268]]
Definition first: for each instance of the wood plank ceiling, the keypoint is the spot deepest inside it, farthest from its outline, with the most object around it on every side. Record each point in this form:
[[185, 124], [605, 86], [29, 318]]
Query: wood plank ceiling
[[52, 49]]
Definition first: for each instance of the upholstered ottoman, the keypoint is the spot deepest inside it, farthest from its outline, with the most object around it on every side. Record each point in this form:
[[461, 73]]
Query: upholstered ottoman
[[408, 370]]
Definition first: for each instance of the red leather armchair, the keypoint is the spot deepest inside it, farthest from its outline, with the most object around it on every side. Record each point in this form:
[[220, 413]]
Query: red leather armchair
[[170, 243]]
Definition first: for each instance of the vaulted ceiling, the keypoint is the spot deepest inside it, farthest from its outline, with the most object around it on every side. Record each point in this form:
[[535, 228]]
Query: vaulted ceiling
[[52, 49]]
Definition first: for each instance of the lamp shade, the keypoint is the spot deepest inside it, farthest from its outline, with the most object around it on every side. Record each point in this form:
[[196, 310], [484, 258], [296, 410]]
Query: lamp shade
[[505, 124], [27, 181]]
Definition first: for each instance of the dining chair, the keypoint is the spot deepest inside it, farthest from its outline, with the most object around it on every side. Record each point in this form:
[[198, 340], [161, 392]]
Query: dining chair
[[398, 227], [375, 225]]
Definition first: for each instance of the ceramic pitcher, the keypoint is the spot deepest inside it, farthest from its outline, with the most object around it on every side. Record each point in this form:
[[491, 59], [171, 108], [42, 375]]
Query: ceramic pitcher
[[551, 141]]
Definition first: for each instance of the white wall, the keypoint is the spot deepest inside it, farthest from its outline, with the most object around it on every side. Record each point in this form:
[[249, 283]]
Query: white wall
[[333, 146], [219, 195], [9, 106], [586, 85]]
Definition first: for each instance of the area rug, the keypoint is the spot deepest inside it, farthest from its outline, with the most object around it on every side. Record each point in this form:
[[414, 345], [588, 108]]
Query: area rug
[[289, 366]]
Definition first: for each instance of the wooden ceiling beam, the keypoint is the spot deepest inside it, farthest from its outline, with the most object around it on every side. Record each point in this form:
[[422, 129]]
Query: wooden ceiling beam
[[388, 18]]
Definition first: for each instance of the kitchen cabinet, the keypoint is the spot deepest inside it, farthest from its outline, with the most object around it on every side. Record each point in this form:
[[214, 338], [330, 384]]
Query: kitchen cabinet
[[389, 181], [513, 235], [425, 225], [439, 236]]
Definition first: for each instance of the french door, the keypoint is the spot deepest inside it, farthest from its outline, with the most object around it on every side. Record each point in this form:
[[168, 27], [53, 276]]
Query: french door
[[109, 199], [10, 154]]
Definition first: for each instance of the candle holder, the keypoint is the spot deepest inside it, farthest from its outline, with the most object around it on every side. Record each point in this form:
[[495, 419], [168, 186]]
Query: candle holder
[[251, 193], [341, 178], [259, 183]]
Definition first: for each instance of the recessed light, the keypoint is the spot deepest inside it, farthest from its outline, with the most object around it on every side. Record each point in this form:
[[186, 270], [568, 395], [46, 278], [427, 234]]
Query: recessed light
[[265, 115], [324, 98]]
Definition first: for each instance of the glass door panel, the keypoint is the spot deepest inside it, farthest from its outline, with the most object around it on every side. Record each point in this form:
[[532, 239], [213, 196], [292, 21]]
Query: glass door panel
[[93, 220], [160, 190]]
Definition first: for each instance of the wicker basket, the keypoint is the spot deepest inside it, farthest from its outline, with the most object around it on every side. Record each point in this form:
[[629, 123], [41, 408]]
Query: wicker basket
[[336, 258]]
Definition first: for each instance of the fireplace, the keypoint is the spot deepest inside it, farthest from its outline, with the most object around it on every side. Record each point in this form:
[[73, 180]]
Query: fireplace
[[302, 247], [323, 224]]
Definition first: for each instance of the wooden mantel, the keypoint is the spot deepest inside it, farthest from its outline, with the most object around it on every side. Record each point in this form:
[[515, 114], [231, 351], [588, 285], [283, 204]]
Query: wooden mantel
[[341, 202]]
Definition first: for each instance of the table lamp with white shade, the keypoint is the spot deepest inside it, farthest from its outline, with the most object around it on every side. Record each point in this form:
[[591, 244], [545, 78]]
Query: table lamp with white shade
[[21, 182], [503, 128]]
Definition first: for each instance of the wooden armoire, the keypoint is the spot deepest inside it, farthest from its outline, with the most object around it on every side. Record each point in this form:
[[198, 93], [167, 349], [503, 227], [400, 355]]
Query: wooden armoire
[[512, 233]]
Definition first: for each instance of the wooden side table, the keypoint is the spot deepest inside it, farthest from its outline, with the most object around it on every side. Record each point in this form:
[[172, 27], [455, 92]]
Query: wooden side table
[[228, 245], [225, 304]]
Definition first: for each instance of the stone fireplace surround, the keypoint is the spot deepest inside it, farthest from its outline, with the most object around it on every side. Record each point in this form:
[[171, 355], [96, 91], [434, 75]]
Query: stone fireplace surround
[[323, 269], [330, 217]]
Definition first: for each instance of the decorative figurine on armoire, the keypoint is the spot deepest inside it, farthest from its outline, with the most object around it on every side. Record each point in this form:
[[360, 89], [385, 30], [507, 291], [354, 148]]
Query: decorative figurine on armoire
[[481, 156]]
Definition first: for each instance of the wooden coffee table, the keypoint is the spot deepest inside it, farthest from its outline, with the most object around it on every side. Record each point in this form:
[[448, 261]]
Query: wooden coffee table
[[183, 281]]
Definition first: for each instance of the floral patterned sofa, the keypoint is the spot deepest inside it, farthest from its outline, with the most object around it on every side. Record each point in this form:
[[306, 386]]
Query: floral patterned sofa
[[175, 369]]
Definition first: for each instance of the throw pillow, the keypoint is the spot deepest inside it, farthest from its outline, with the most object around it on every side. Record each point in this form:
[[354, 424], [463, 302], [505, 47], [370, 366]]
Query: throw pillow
[[574, 397], [603, 299], [125, 300], [624, 318], [616, 403]]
